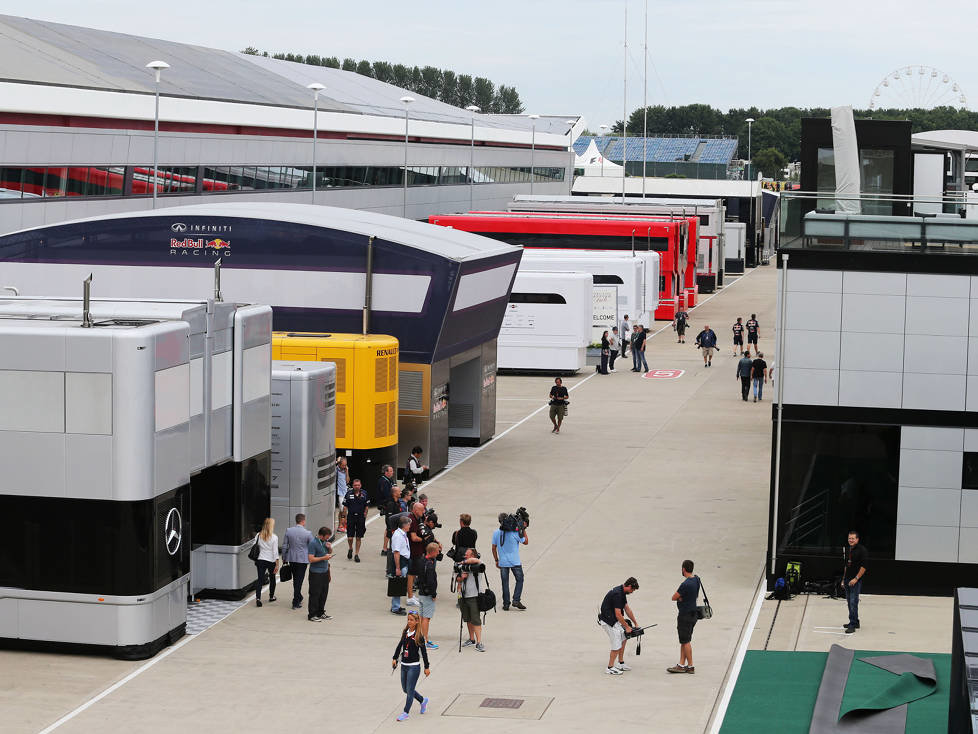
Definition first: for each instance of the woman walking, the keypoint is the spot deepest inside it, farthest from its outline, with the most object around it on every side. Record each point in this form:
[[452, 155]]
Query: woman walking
[[605, 354], [410, 651], [268, 559]]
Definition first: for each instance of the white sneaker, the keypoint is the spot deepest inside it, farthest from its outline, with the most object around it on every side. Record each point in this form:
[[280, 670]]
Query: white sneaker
[[613, 671], [622, 666], [413, 601]]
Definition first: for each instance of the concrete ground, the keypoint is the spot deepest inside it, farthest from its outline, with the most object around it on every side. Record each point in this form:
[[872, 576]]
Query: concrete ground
[[645, 473]]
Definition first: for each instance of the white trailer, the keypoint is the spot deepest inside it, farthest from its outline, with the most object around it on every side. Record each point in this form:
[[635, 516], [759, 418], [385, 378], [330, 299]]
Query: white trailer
[[548, 322], [608, 269]]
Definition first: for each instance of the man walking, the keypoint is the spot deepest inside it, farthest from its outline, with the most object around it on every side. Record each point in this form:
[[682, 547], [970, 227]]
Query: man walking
[[400, 558], [745, 368], [319, 554], [753, 329], [428, 590], [506, 551], [759, 376], [559, 397], [356, 520], [852, 578], [638, 349], [685, 598], [616, 618], [385, 496], [613, 345], [625, 334], [706, 340], [295, 552], [679, 324], [738, 337]]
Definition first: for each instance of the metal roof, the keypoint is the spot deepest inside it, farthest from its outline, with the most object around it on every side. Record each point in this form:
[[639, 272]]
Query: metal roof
[[45, 53], [445, 242]]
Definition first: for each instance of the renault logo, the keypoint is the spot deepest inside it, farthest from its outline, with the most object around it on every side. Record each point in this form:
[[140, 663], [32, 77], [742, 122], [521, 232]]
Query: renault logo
[[173, 531], [178, 227]]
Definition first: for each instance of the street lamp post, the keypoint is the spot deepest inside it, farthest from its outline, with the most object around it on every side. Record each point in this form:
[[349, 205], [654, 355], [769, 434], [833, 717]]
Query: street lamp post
[[570, 142], [473, 109], [316, 88], [157, 67], [406, 101], [604, 132], [749, 121], [533, 148]]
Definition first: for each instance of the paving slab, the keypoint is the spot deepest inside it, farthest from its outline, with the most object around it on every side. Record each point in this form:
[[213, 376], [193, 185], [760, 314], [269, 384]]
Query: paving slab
[[645, 473]]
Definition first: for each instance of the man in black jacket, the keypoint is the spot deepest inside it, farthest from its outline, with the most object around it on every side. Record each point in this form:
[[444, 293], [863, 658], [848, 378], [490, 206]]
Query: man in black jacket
[[385, 495], [428, 590], [852, 578], [707, 341]]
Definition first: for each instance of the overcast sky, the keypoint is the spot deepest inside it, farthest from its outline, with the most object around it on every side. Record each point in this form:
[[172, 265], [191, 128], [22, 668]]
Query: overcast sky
[[567, 57]]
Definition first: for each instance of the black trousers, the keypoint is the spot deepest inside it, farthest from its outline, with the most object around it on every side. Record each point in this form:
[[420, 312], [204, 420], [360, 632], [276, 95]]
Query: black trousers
[[265, 567], [603, 367], [744, 387], [611, 361], [298, 575], [318, 591]]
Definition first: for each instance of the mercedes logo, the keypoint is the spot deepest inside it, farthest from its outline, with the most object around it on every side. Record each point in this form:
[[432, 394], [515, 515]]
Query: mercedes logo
[[178, 227], [173, 531]]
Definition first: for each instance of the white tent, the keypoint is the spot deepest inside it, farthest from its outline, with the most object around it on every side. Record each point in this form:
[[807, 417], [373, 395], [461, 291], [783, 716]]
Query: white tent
[[595, 164]]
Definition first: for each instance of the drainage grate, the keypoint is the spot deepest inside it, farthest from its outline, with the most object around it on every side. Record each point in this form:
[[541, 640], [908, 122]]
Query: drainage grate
[[501, 703]]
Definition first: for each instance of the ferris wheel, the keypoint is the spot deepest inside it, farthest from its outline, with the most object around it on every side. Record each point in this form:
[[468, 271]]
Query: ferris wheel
[[917, 87]]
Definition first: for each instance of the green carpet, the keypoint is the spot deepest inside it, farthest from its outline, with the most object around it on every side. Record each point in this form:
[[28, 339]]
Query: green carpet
[[776, 692]]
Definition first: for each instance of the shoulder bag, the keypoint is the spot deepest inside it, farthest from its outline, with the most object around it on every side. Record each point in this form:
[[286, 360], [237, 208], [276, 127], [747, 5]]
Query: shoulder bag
[[705, 611], [285, 573], [255, 550]]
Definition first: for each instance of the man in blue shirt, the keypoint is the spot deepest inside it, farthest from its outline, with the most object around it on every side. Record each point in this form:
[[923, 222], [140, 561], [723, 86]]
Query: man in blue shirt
[[506, 551], [707, 341], [319, 554], [685, 598], [295, 552]]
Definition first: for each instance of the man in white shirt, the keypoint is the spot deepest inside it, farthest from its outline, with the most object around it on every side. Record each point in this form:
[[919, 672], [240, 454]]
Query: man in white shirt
[[625, 335], [342, 480], [400, 558]]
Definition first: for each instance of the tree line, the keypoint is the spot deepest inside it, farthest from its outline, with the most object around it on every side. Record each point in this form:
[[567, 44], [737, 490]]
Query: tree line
[[445, 85], [776, 133]]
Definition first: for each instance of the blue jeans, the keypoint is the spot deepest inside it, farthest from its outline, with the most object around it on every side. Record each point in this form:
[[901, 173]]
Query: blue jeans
[[852, 599], [409, 679], [518, 575], [638, 360], [758, 387]]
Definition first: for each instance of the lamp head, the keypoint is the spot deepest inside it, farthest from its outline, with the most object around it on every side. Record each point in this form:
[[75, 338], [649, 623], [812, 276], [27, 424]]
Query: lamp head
[[157, 67], [407, 100], [474, 108], [316, 87], [749, 120], [534, 117]]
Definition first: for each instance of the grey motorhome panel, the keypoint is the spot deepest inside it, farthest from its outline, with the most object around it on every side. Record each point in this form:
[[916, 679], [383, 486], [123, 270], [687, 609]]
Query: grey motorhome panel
[[94, 441], [303, 442]]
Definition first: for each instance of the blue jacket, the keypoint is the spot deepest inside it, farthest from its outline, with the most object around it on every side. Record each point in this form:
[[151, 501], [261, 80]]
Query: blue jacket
[[707, 338], [744, 367], [295, 547]]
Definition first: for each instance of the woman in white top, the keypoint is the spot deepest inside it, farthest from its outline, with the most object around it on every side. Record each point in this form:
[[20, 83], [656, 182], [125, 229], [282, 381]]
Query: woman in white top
[[268, 558]]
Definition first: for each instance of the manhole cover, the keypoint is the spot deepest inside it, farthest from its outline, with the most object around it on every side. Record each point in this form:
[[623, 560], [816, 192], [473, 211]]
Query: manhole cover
[[501, 703]]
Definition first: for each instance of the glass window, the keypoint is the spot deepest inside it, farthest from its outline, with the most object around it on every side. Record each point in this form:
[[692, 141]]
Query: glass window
[[56, 182], [11, 183], [837, 477]]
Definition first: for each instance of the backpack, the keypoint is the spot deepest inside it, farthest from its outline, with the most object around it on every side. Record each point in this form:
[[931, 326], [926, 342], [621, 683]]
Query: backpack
[[681, 320]]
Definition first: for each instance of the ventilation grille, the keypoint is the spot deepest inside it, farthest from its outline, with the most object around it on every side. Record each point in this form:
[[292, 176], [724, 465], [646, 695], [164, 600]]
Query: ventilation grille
[[411, 395], [460, 415], [392, 373], [380, 420], [341, 421], [326, 475], [340, 372], [385, 374], [329, 396], [392, 418]]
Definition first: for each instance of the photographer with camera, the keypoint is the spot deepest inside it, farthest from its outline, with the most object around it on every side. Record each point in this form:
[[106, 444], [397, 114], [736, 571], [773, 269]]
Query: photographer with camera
[[617, 620], [506, 542], [428, 589], [467, 578], [417, 551], [465, 536]]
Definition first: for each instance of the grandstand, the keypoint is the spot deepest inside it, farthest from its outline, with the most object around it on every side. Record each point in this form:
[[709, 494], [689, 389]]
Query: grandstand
[[692, 157]]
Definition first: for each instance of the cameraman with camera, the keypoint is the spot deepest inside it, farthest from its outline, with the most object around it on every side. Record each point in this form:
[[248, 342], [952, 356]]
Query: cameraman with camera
[[506, 542], [467, 578], [617, 619]]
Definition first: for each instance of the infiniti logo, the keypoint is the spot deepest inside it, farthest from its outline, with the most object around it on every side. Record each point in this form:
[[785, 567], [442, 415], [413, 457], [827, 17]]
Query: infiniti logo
[[173, 531], [178, 227]]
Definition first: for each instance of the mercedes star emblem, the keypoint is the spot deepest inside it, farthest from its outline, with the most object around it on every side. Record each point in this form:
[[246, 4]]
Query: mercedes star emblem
[[173, 531]]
